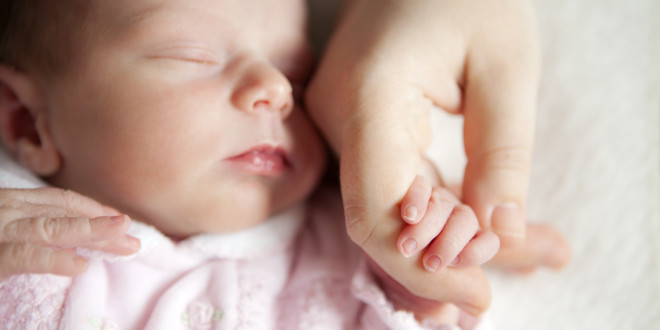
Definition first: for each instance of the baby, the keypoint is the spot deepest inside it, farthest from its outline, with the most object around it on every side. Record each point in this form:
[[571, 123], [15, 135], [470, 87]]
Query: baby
[[184, 115]]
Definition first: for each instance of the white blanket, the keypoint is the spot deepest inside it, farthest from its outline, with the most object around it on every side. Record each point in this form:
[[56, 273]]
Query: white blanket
[[596, 170]]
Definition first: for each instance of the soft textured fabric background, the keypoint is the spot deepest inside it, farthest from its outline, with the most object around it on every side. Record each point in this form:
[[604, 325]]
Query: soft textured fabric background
[[596, 169]]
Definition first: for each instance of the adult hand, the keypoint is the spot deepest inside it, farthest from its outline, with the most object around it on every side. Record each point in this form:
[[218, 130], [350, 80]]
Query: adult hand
[[388, 63], [40, 229]]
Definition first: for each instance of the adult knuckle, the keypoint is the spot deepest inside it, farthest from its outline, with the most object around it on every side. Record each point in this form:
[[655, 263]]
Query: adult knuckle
[[8, 230], [513, 158], [48, 229], [26, 257], [10, 199], [70, 200], [5, 196], [16, 253]]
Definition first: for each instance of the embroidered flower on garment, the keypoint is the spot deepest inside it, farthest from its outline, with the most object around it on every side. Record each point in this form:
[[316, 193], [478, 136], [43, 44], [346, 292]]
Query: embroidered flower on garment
[[104, 324], [201, 315]]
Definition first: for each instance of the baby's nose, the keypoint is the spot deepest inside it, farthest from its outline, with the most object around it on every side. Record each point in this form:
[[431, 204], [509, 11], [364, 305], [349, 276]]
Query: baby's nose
[[262, 87]]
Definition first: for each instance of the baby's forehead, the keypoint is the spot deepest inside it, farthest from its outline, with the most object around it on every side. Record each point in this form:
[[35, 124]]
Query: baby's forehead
[[262, 17], [124, 13]]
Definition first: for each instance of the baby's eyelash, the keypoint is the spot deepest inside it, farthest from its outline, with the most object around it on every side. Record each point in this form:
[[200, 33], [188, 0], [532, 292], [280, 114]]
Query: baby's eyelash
[[188, 54]]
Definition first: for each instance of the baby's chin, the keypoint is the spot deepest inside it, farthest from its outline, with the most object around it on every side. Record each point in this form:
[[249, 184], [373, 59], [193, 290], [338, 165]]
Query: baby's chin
[[222, 218], [181, 227]]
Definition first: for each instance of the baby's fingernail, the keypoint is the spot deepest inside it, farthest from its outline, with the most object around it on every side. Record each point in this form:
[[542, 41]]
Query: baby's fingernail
[[410, 213], [456, 261], [408, 247], [433, 263]]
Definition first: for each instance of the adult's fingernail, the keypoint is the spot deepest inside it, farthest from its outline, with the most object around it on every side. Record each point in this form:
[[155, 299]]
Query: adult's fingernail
[[408, 247], [133, 243], [508, 222]]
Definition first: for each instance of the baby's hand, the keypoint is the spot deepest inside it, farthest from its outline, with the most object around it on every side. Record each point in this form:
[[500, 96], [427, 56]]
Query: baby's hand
[[446, 228], [41, 228]]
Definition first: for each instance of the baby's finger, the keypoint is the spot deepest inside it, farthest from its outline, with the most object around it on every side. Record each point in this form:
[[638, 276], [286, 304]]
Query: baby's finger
[[478, 251], [416, 237], [414, 203], [28, 258], [461, 227], [64, 232]]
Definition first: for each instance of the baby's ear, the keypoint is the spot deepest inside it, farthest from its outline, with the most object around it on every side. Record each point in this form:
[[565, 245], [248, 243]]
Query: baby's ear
[[23, 123]]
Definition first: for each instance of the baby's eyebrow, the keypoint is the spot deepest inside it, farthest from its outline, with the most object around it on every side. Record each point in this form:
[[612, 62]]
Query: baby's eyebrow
[[142, 14]]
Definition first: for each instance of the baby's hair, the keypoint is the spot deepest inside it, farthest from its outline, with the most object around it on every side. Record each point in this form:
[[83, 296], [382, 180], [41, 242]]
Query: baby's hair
[[40, 36]]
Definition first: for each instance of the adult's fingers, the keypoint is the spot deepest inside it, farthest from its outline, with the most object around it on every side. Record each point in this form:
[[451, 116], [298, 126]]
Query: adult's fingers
[[71, 202], [103, 232], [402, 299], [375, 114], [544, 246], [500, 102], [27, 258], [376, 171]]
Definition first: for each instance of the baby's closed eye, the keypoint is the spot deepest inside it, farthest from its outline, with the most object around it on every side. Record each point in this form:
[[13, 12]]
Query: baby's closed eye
[[180, 56]]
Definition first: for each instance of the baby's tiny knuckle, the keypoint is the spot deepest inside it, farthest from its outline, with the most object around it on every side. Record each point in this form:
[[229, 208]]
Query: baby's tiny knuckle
[[451, 241], [466, 215], [442, 203]]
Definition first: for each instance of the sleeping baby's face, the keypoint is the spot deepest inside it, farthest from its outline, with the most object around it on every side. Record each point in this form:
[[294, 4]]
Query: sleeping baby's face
[[181, 113]]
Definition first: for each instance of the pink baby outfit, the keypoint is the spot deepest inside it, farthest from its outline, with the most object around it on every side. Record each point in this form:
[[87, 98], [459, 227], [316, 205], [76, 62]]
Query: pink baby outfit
[[298, 270]]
